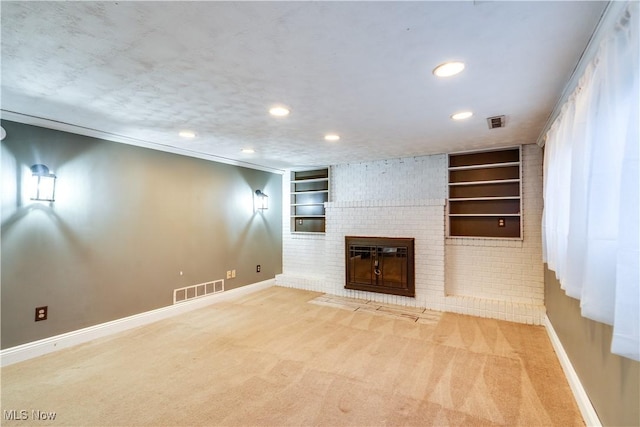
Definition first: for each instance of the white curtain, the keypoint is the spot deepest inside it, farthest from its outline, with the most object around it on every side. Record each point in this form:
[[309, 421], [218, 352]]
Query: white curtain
[[591, 179]]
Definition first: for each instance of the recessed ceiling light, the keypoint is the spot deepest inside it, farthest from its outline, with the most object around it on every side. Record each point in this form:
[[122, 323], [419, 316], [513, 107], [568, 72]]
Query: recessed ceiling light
[[462, 115], [187, 134], [248, 150], [279, 111], [331, 137], [448, 69]]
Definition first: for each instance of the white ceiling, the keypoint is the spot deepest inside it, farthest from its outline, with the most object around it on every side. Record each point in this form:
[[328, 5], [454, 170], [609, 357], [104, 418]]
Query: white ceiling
[[143, 71]]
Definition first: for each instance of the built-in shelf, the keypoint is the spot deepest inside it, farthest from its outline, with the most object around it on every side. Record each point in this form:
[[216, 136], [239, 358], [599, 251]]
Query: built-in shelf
[[485, 198], [493, 181], [309, 193], [488, 215], [482, 166], [485, 194], [296, 181]]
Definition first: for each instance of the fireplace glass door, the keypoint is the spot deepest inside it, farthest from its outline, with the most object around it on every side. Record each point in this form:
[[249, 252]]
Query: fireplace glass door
[[380, 264]]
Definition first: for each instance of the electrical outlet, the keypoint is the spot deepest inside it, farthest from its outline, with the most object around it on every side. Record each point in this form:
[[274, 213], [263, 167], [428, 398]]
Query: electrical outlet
[[258, 268], [233, 274], [228, 274], [500, 222], [41, 313]]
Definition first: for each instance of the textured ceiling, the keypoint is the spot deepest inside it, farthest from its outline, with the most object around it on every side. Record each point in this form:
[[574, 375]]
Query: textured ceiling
[[143, 71]]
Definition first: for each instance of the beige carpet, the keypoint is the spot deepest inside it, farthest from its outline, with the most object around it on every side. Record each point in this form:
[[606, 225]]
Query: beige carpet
[[274, 359]]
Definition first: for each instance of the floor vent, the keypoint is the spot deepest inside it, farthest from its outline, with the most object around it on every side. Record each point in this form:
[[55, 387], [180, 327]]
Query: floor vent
[[496, 122], [197, 291]]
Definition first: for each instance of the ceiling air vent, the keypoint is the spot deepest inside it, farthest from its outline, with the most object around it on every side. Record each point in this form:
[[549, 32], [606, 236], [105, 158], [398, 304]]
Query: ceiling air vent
[[495, 122]]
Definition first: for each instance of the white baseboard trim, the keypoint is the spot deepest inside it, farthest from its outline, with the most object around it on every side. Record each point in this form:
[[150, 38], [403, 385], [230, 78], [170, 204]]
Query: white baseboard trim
[[33, 349], [582, 399]]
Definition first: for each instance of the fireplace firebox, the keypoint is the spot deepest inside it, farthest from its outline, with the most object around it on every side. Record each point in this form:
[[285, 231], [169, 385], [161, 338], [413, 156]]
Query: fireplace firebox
[[380, 264]]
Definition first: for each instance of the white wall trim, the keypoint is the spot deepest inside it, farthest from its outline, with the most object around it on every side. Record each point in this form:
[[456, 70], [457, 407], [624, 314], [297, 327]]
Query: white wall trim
[[110, 136], [582, 399], [33, 349]]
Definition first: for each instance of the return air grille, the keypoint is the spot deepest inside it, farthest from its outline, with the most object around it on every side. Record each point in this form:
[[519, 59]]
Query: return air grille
[[197, 291], [496, 122]]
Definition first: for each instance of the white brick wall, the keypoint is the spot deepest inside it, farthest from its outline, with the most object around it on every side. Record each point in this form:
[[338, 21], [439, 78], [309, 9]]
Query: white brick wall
[[494, 278], [303, 254], [419, 178], [421, 219], [504, 269]]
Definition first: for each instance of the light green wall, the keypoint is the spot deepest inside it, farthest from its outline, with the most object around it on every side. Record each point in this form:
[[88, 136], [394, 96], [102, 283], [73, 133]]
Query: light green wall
[[612, 382], [125, 223]]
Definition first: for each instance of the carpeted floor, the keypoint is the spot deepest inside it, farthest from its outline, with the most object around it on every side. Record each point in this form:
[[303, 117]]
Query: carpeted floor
[[274, 359]]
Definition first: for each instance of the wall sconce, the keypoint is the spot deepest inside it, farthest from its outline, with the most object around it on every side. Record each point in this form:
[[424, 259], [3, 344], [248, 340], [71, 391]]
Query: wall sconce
[[43, 183], [261, 200]]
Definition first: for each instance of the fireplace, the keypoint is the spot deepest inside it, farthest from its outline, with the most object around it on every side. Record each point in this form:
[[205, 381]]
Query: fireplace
[[380, 264]]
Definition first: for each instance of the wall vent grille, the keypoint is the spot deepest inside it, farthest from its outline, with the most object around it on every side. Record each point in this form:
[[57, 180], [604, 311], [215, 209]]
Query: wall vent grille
[[197, 291], [496, 122]]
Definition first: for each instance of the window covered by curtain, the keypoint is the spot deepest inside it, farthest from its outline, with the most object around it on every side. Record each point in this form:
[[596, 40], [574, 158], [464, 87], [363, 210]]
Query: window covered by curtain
[[591, 179]]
